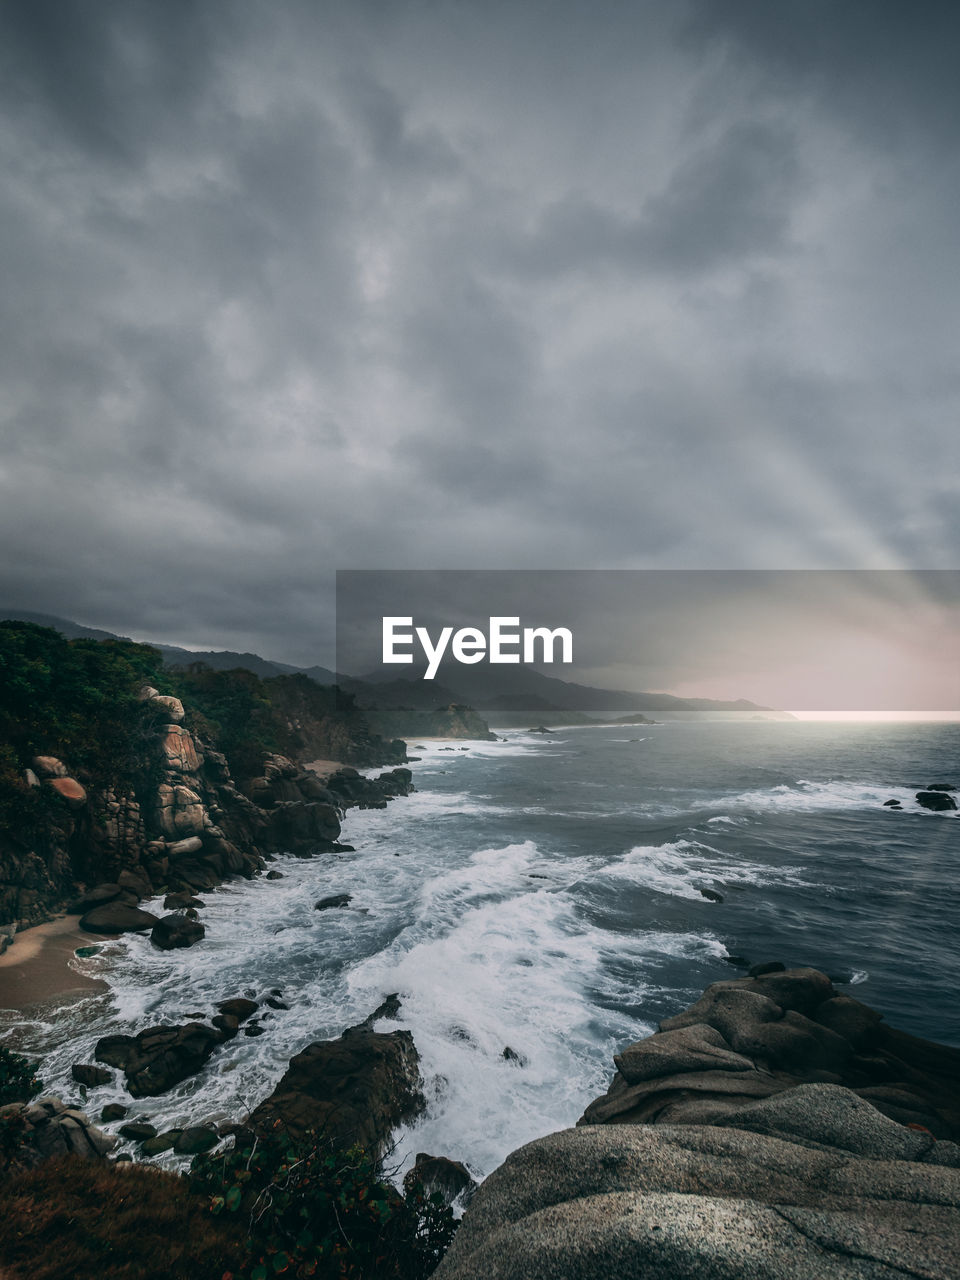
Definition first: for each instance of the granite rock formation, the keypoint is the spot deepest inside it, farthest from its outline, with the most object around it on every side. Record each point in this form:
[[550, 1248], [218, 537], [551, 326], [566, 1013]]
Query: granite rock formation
[[774, 1131]]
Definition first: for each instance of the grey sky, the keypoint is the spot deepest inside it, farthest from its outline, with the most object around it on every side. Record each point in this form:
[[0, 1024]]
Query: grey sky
[[291, 287]]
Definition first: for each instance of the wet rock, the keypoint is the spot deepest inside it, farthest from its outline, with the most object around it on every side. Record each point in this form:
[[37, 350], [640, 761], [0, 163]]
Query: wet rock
[[138, 1131], [238, 1007], [438, 1174], [227, 1024], [711, 895], [355, 1089], [90, 1076], [161, 1143], [254, 1029], [273, 875], [937, 801], [892, 804], [159, 1057], [181, 901], [194, 1140], [112, 1111], [771, 966], [334, 901], [511, 1055], [116, 917], [176, 931]]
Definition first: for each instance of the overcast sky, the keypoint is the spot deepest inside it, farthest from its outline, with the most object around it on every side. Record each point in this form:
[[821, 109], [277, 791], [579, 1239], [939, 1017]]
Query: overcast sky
[[291, 287]]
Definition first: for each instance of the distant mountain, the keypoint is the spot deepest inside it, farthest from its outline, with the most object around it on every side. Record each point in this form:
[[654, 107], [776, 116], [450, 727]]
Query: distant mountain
[[173, 655], [516, 689], [506, 692]]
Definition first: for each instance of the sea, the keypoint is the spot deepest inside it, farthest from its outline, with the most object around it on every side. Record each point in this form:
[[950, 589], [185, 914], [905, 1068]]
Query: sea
[[537, 903]]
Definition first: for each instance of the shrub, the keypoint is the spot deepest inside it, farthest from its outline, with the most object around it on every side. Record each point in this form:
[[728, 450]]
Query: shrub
[[18, 1081], [312, 1211], [96, 1220]]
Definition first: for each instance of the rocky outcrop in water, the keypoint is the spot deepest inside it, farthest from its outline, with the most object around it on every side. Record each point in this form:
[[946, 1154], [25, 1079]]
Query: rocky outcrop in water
[[751, 1038], [352, 1090], [775, 1130], [159, 1057]]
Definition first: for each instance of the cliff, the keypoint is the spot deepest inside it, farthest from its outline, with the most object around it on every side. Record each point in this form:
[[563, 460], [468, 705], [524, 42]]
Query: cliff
[[119, 778], [775, 1130]]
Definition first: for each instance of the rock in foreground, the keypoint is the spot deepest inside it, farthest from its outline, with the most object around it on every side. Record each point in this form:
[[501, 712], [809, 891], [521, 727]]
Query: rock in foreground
[[773, 1131]]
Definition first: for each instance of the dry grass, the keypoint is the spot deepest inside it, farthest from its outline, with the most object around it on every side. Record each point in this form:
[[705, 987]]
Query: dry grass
[[73, 1219]]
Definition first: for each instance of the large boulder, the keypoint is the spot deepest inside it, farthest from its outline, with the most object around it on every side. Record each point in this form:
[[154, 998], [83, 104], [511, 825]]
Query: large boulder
[[159, 1057], [816, 1191], [352, 1090], [755, 1037], [176, 931], [47, 1127], [117, 917], [938, 801], [171, 709], [74, 794], [179, 749]]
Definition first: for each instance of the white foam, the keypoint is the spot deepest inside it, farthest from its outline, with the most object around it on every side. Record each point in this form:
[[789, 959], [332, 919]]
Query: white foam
[[683, 867]]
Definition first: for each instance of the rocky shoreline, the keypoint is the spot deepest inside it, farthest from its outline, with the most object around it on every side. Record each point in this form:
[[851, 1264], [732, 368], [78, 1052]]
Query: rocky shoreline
[[184, 827], [776, 1130]]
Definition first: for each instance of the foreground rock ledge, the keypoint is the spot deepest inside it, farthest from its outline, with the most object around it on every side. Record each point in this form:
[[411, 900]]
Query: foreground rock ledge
[[807, 1180]]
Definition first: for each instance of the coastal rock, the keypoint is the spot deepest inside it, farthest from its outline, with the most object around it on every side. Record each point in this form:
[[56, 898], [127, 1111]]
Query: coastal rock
[[138, 1131], [180, 811], [333, 901], [690, 1202], [355, 1089], [194, 1140], [722, 1150], [47, 1127], [754, 1037], [95, 897], [179, 750], [438, 1174], [176, 931], [159, 1057], [89, 1075], [181, 901], [117, 917], [135, 881], [238, 1007], [938, 801]]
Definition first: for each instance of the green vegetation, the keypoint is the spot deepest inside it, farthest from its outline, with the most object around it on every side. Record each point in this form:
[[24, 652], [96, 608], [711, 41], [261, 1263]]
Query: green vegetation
[[70, 698], [231, 708], [18, 1079], [311, 1211]]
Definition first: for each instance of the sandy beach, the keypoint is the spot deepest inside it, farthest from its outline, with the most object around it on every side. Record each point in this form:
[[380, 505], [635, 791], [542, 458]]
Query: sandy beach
[[35, 967]]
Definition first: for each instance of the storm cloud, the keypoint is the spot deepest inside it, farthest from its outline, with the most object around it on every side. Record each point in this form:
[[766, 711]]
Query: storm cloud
[[292, 287]]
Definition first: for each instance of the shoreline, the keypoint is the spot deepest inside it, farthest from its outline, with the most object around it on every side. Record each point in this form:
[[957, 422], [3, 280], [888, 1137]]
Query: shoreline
[[36, 966]]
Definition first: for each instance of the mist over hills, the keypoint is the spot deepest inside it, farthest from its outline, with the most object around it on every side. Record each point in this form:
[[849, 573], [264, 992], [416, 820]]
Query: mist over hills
[[504, 692]]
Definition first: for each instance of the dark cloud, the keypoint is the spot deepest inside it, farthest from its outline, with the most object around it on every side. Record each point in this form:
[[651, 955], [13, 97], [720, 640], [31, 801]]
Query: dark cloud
[[294, 287]]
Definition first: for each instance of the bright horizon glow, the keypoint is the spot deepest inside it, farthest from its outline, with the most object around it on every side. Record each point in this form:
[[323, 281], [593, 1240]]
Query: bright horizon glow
[[873, 716]]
